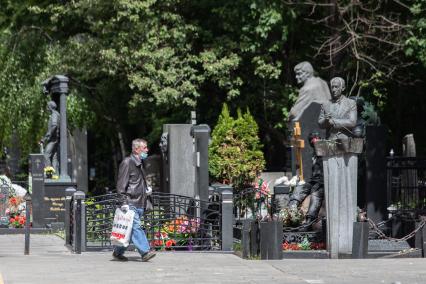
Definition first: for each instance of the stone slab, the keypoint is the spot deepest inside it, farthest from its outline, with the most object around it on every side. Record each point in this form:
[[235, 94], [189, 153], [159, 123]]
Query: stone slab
[[305, 254], [387, 246]]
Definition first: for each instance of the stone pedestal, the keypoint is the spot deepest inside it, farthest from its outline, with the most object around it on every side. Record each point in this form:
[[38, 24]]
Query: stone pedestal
[[54, 201], [340, 183], [48, 196]]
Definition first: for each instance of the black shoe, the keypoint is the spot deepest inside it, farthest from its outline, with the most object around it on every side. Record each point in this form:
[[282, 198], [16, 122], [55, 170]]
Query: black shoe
[[147, 256], [119, 257]]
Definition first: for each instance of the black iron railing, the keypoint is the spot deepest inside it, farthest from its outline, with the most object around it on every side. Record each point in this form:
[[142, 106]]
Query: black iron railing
[[252, 203], [406, 185], [175, 223]]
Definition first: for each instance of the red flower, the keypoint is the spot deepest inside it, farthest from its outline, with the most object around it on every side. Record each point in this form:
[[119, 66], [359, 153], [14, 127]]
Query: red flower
[[11, 220], [317, 246], [287, 246], [22, 221], [170, 243], [13, 201]]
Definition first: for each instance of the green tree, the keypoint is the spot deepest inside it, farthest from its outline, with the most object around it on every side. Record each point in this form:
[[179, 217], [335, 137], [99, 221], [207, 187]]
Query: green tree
[[235, 152], [416, 43]]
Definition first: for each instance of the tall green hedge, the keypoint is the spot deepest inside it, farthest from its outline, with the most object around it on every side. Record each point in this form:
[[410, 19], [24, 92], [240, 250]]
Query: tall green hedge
[[235, 151]]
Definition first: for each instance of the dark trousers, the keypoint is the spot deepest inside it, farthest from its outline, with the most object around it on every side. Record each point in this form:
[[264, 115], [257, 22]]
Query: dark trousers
[[316, 190]]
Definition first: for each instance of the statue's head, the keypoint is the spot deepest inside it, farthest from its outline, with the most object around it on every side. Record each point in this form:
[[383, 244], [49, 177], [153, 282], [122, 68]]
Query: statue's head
[[337, 85], [51, 105], [304, 71]]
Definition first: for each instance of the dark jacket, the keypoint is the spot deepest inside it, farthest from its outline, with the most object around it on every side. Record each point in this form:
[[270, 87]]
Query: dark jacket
[[132, 182]]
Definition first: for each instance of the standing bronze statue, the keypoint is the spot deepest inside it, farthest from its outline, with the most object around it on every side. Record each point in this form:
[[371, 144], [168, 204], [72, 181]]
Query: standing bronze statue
[[51, 138]]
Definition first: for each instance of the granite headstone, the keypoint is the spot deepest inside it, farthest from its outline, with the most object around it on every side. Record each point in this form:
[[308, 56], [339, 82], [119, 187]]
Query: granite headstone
[[308, 124], [37, 179], [374, 192]]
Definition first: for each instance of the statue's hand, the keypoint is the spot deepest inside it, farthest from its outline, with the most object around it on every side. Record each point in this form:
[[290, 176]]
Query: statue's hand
[[327, 116]]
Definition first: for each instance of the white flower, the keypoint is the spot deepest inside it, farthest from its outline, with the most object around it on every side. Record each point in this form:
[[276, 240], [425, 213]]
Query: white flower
[[280, 180], [19, 190], [293, 181]]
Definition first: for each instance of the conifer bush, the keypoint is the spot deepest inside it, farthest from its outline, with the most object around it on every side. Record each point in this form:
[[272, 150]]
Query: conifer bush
[[235, 151]]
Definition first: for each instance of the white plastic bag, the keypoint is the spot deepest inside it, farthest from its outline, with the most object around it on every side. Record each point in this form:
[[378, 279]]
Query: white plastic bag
[[122, 227]]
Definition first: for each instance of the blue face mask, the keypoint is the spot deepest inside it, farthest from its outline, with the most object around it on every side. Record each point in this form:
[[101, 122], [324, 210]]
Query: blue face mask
[[143, 155]]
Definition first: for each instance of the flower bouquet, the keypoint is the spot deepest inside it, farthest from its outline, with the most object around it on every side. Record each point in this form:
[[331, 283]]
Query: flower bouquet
[[49, 172], [176, 233], [16, 211]]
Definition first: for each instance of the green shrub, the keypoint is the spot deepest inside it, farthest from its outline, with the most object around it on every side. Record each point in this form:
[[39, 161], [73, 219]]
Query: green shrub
[[235, 151]]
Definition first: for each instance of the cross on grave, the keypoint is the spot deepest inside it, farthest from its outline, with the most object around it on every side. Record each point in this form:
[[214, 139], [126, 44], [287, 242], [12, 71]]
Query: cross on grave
[[298, 143], [4, 196], [37, 162]]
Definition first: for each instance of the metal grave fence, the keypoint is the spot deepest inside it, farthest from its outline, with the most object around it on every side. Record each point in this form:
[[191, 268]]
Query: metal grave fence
[[406, 185], [175, 223]]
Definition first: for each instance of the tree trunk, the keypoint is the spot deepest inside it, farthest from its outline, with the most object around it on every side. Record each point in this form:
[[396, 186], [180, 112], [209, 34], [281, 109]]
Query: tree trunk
[[121, 143]]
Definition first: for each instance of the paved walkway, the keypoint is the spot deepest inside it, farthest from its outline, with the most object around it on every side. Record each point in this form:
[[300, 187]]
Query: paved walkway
[[50, 262]]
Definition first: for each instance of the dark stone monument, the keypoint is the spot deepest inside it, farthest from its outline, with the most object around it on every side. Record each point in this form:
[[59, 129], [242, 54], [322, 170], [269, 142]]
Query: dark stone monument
[[37, 179], [153, 171], [308, 124], [271, 239], [374, 193], [360, 240], [78, 154], [313, 93], [4, 198], [281, 197], [409, 181]]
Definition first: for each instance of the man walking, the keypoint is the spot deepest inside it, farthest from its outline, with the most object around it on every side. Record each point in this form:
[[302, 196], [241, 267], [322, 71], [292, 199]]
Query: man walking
[[132, 183]]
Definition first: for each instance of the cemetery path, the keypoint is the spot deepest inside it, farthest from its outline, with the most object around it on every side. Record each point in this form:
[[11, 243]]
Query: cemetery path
[[50, 262]]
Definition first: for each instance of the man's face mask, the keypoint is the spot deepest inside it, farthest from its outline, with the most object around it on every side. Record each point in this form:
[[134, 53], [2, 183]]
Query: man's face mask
[[143, 155]]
